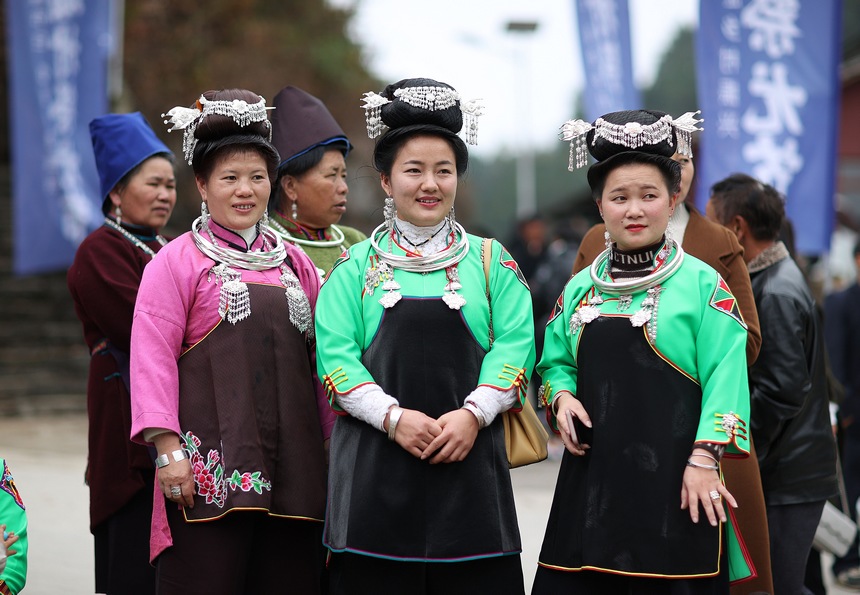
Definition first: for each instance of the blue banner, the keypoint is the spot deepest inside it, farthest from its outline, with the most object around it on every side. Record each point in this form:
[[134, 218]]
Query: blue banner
[[769, 89], [604, 38], [58, 58]]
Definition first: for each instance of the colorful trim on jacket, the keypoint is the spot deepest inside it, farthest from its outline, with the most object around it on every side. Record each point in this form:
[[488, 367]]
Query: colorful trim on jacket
[[7, 484]]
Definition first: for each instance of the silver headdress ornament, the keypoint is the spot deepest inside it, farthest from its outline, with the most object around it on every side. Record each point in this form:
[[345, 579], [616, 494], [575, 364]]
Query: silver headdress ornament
[[188, 118], [428, 98], [631, 134]]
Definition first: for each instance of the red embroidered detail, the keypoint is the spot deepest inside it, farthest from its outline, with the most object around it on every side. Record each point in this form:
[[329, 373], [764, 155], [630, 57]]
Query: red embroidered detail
[[507, 261], [209, 474], [725, 302], [7, 484]]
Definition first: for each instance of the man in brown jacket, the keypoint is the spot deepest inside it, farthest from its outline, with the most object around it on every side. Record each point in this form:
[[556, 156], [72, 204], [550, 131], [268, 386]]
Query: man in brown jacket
[[719, 248]]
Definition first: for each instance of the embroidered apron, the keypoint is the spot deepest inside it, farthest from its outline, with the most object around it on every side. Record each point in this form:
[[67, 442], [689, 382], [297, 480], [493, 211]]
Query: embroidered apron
[[385, 502], [618, 508], [248, 410]]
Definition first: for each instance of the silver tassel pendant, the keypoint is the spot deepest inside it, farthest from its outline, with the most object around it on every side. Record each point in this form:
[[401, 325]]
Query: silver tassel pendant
[[298, 303], [234, 303], [385, 274], [452, 299], [390, 299]]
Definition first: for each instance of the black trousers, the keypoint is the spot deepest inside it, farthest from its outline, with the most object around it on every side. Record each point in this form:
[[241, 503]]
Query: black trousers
[[353, 574], [792, 529], [122, 548], [242, 552]]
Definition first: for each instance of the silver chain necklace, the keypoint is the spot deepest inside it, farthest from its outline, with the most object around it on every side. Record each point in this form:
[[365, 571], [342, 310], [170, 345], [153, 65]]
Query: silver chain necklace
[[133, 239]]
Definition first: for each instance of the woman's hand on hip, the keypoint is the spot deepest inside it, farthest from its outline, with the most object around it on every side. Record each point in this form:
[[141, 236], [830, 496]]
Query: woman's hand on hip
[[415, 431], [459, 431]]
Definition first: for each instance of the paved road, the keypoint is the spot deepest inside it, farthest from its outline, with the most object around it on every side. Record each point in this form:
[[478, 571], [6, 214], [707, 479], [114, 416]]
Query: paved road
[[47, 456]]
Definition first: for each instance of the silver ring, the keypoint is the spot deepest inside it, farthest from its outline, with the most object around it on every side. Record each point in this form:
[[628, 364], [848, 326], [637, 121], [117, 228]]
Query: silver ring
[[176, 491], [714, 494]]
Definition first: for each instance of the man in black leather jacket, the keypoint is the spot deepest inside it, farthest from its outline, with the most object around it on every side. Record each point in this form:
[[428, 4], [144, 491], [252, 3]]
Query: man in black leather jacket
[[789, 413]]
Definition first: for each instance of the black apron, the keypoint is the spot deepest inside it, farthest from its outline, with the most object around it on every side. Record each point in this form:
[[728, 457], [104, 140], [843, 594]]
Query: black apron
[[385, 502], [618, 508], [246, 392]]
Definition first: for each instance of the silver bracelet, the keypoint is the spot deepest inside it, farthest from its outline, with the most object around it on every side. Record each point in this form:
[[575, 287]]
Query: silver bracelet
[[706, 455], [700, 466], [393, 418], [163, 461]]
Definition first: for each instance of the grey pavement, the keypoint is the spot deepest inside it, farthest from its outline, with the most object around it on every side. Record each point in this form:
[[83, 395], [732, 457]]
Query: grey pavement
[[47, 456]]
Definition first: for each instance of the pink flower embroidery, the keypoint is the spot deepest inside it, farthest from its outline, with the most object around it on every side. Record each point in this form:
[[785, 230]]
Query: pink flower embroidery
[[210, 478]]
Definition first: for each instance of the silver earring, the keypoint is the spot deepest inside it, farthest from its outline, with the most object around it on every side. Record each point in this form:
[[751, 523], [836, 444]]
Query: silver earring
[[295, 210], [204, 213], [451, 218], [388, 212], [607, 240], [263, 223], [118, 215]]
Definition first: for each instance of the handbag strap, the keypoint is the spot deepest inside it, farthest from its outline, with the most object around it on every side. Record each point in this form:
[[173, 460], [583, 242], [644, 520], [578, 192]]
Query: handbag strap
[[486, 250]]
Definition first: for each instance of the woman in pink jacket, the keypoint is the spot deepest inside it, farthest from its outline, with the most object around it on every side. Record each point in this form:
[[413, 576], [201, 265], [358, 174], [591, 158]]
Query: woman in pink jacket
[[222, 374]]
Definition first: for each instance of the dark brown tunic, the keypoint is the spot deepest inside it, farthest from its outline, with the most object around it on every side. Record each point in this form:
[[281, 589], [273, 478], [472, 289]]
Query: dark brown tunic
[[248, 412]]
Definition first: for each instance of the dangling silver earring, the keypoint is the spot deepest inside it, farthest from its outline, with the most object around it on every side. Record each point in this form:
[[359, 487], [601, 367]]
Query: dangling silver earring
[[388, 212], [294, 210], [204, 213], [263, 223], [607, 240], [118, 215], [452, 219]]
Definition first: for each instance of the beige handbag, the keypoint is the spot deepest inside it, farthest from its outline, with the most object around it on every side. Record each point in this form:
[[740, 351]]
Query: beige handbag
[[525, 436]]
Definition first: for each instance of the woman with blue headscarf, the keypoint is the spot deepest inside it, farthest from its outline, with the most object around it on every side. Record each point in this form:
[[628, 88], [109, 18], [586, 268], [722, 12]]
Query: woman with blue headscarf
[[138, 192]]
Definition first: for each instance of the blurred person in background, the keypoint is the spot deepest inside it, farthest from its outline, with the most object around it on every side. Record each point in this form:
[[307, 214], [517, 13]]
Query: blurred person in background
[[789, 396], [222, 378], [842, 332], [719, 248], [138, 191], [309, 195]]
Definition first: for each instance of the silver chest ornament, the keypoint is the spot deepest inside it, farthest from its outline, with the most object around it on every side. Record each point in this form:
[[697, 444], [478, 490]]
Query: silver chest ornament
[[645, 315]]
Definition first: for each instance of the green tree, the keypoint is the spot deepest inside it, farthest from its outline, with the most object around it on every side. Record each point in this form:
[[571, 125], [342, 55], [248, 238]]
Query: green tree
[[173, 51]]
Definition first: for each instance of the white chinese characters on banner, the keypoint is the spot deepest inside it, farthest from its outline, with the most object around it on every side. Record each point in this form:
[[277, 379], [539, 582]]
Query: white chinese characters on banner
[[55, 39], [772, 118], [769, 84]]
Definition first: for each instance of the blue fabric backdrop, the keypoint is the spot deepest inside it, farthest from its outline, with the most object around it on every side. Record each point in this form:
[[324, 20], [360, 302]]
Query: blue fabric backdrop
[[58, 57], [768, 88], [604, 37]]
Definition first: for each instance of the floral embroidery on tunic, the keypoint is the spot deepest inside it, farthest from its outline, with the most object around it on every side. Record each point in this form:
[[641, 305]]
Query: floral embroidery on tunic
[[209, 477]]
